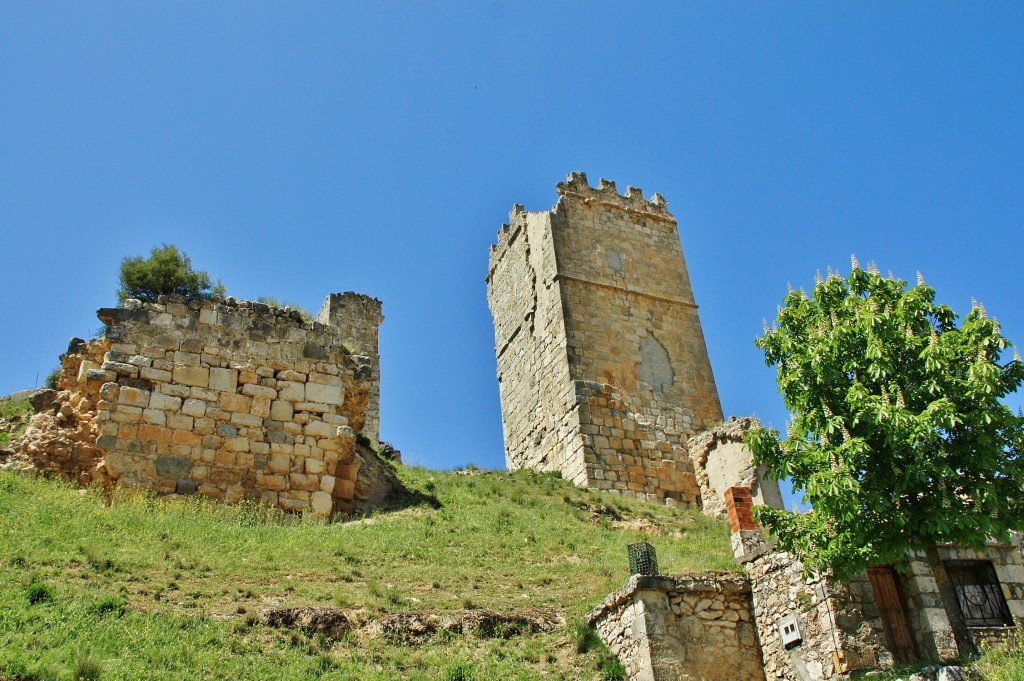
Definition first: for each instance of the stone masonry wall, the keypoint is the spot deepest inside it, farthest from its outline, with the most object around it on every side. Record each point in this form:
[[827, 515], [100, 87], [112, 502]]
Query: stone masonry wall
[[832, 618], [538, 402], [61, 436], [602, 365], [231, 400], [932, 611], [839, 624], [696, 628], [721, 460], [358, 319]]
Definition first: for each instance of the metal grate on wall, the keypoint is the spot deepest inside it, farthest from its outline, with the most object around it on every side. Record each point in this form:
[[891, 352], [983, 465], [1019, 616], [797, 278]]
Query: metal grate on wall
[[978, 594]]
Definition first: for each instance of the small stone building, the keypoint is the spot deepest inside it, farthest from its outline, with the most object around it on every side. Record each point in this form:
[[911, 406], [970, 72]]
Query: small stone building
[[940, 609], [800, 628]]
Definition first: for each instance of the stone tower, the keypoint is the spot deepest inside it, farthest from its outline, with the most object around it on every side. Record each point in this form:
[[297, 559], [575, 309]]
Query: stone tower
[[602, 365]]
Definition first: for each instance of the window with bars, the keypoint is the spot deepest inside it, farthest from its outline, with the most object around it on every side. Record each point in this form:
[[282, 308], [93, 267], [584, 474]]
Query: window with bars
[[978, 594]]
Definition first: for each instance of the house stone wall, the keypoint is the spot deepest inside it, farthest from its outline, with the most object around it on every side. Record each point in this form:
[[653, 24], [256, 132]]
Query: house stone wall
[[933, 614], [602, 365], [233, 400]]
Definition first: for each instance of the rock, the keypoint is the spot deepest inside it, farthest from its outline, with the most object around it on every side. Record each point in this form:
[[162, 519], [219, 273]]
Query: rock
[[952, 673], [173, 467], [321, 503], [185, 487], [42, 399], [330, 622]]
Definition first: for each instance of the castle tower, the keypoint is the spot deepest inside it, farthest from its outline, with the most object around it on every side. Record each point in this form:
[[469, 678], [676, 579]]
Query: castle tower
[[602, 365]]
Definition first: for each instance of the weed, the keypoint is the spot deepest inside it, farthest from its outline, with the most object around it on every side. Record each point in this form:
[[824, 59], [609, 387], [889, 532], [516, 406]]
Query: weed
[[52, 378], [503, 520], [583, 636], [322, 663], [1002, 661], [109, 604], [87, 668], [459, 672], [39, 593], [12, 409], [611, 669], [96, 561]]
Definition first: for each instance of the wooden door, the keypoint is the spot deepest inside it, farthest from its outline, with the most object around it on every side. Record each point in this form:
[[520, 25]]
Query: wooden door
[[894, 618]]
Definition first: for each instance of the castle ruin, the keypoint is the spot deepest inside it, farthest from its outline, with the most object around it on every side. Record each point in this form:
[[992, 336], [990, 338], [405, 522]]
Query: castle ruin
[[605, 377], [229, 399], [602, 366]]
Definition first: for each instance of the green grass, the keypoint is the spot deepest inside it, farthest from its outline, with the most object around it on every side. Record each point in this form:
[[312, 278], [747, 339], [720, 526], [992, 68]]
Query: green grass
[[1003, 662], [14, 415], [306, 315], [134, 587]]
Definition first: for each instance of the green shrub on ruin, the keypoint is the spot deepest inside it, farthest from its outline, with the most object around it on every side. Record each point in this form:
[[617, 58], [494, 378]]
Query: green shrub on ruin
[[306, 315], [167, 271], [52, 378]]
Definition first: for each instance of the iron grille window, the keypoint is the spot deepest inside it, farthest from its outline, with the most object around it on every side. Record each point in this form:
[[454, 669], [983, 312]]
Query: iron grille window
[[978, 594]]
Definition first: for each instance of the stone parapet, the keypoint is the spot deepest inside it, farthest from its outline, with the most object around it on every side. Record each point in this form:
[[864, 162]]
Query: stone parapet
[[605, 192]]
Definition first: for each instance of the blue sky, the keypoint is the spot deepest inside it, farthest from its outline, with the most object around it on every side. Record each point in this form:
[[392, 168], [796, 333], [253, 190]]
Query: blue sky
[[295, 149]]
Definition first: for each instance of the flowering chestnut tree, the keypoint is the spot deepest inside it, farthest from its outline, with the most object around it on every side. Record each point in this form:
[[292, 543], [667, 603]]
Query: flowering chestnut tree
[[898, 435]]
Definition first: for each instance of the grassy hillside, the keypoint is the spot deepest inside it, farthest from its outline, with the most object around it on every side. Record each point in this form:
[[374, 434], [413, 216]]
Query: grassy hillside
[[14, 415], [133, 587]]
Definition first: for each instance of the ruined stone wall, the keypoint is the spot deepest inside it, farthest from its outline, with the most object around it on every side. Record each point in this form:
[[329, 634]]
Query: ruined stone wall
[[231, 400], [603, 369], [358, 318], [721, 460], [832, 618], [60, 439], [839, 624], [681, 628]]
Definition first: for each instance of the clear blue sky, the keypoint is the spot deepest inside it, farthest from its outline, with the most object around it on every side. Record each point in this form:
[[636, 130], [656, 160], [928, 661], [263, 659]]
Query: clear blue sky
[[294, 149]]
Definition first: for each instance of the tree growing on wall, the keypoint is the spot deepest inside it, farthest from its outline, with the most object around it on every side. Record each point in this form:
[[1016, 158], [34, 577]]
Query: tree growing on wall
[[898, 436], [166, 271]]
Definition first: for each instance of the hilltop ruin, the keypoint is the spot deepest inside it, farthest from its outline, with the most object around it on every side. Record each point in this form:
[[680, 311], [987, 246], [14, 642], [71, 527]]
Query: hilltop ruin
[[231, 400], [605, 377]]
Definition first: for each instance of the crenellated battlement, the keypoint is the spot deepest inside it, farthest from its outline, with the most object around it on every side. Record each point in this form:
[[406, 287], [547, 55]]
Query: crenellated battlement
[[507, 235], [576, 185]]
